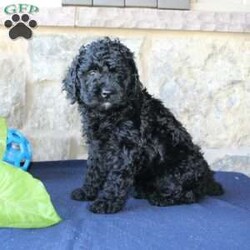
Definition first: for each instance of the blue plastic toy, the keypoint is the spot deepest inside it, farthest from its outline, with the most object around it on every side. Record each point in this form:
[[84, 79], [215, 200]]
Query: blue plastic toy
[[18, 151]]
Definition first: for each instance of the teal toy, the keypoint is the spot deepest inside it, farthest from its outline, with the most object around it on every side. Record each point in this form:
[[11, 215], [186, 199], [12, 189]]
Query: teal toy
[[18, 150]]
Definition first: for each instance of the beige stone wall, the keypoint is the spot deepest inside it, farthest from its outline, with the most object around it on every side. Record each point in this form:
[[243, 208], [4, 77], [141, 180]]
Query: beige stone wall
[[220, 5], [203, 77]]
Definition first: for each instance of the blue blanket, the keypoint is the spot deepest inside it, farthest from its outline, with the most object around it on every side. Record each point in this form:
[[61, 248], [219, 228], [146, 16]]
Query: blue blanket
[[215, 223]]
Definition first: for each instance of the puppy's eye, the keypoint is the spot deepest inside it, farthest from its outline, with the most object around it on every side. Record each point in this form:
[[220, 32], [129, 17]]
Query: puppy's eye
[[92, 72], [93, 69]]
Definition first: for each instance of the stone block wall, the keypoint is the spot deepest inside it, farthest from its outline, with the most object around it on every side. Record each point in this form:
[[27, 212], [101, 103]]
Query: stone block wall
[[203, 77], [220, 5]]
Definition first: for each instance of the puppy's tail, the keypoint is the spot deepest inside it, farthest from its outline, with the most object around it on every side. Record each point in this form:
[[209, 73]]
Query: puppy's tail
[[214, 188]]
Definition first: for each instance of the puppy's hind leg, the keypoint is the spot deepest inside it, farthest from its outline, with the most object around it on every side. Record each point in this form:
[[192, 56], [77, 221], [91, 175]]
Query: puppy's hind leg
[[170, 192], [213, 188]]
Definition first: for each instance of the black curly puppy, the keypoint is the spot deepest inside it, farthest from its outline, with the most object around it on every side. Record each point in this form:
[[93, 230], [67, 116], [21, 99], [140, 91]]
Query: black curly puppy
[[134, 141]]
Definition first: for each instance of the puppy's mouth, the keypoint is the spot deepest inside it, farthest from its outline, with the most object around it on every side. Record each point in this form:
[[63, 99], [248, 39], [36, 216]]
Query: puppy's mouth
[[100, 105], [106, 105]]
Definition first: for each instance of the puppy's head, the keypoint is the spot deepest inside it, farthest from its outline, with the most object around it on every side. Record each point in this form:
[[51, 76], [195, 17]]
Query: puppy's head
[[103, 75]]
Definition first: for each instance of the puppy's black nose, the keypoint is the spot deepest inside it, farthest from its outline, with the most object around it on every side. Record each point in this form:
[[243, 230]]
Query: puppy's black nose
[[106, 93]]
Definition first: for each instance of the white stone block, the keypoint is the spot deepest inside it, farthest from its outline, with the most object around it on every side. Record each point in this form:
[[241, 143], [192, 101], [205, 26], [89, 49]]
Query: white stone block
[[203, 83], [49, 147], [64, 17], [48, 110], [51, 55], [12, 82]]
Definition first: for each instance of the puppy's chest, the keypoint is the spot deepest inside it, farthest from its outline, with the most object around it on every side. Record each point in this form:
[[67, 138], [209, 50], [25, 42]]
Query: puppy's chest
[[114, 132], [101, 131]]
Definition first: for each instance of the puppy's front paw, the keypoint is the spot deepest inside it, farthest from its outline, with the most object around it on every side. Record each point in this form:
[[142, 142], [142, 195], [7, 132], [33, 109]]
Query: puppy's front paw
[[79, 194], [101, 206]]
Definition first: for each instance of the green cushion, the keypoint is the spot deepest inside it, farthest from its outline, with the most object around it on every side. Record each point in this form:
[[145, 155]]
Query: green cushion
[[24, 201]]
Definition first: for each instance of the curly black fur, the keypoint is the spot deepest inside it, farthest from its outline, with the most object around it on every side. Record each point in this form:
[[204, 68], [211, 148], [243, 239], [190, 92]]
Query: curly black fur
[[134, 141]]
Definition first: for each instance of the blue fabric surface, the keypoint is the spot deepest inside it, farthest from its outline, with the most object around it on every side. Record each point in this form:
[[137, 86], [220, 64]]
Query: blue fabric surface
[[215, 223]]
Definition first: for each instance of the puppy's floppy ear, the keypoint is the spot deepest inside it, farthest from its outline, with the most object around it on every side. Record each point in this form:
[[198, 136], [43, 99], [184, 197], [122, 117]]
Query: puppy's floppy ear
[[136, 86], [71, 83]]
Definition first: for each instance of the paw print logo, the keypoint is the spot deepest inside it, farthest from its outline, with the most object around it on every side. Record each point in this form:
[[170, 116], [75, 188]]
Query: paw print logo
[[20, 26]]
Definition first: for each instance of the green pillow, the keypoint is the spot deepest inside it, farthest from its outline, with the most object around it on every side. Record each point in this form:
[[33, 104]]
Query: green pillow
[[24, 201]]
